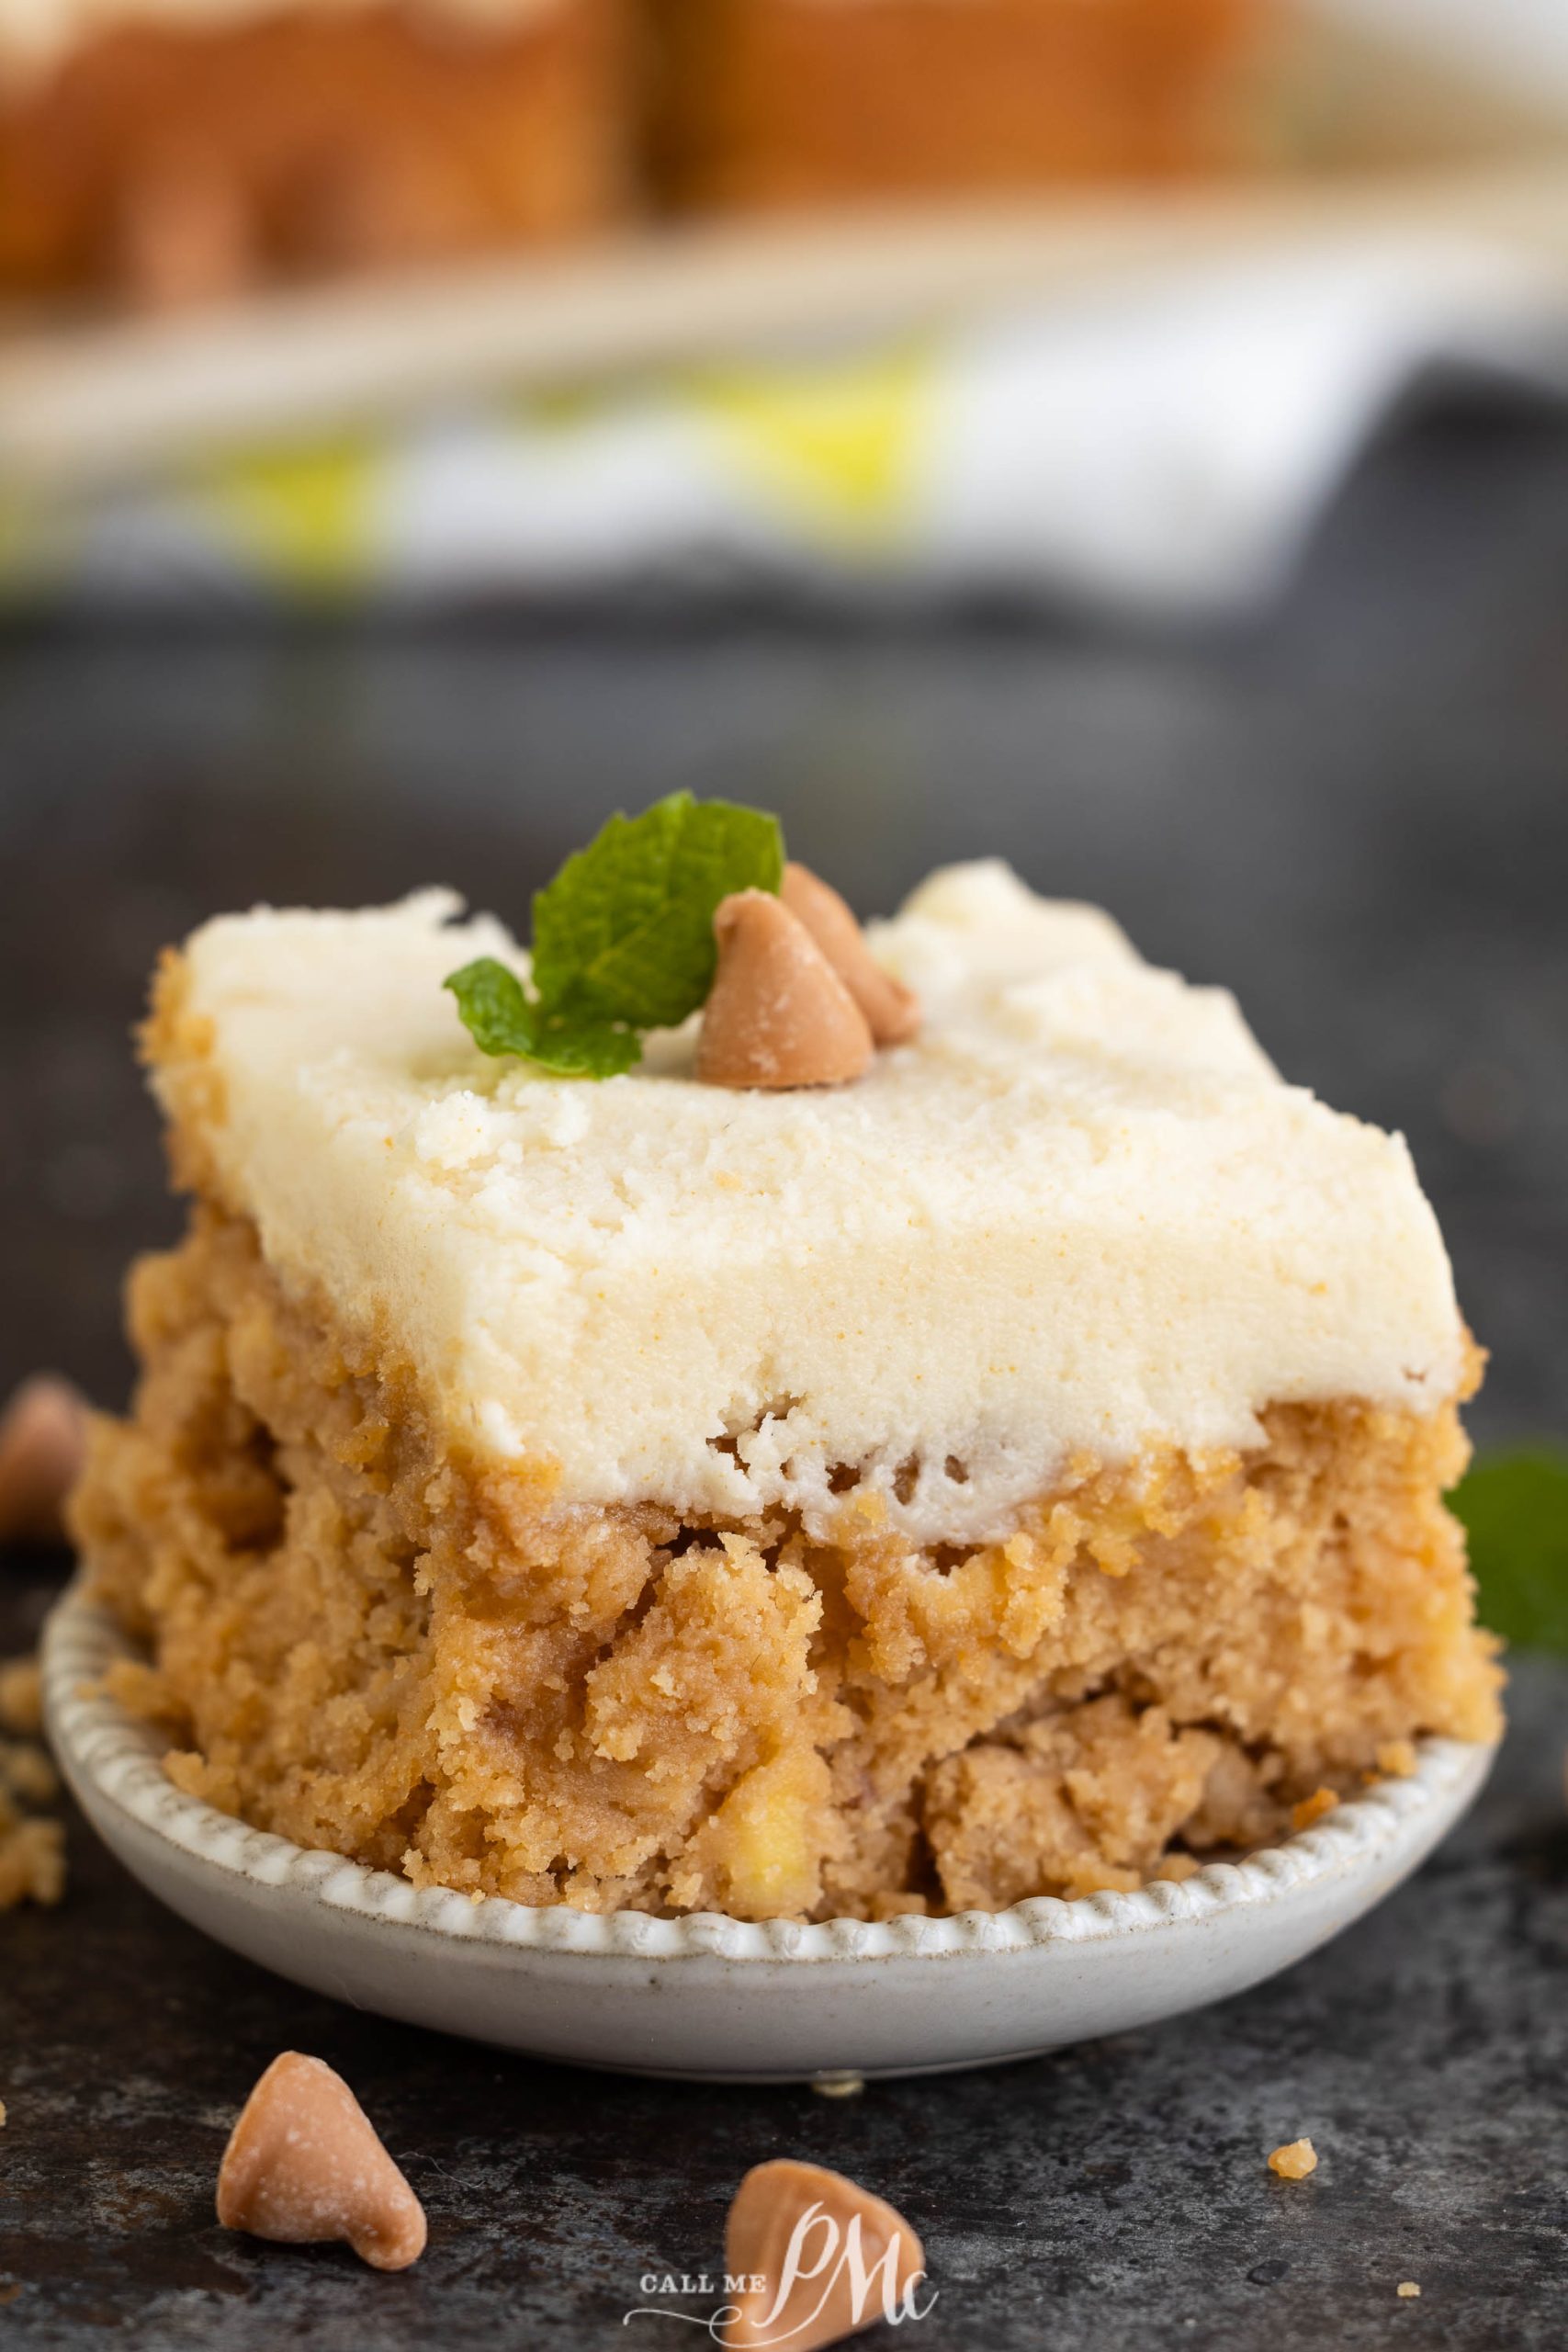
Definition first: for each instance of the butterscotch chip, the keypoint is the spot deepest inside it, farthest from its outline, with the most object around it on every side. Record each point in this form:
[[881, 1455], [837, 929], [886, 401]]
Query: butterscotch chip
[[892, 1010], [1312, 1808], [1396, 1758], [778, 1014], [833, 2258], [304, 2166], [1407, 2289], [43, 1434], [1295, 2160]]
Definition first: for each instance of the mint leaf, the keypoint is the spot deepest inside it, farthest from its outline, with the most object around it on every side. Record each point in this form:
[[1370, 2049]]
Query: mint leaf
[[1513, 1507], [502, 1019], [623, 937], [495, 1010], [625, 931]]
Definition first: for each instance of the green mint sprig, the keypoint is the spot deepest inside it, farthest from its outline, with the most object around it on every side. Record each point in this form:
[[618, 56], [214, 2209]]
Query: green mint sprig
[[502, 1019], [1513, 1507], [623, 937]]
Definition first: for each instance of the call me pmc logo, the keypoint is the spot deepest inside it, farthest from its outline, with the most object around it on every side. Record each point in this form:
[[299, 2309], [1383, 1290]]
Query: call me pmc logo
[[824, 2266]]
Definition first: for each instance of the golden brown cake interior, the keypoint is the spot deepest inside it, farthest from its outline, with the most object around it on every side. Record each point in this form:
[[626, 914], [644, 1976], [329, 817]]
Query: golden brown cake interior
[[370, 1644]]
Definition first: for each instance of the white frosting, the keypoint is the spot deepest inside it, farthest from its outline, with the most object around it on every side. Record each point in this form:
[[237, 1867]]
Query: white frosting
[[1081, 1211], [37, 35]]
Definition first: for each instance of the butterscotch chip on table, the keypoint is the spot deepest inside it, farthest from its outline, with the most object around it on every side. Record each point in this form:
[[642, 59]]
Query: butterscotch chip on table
[[170, 155], [304, 2167], [1294, 2161], [773, 104], [44, 1429], [985, 1478], [828, 2258]]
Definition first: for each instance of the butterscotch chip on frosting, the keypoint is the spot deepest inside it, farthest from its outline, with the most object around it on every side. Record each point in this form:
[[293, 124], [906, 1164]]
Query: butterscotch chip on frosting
[[778, 1014], [304, 2167], [892, 1010], [832, 2257]]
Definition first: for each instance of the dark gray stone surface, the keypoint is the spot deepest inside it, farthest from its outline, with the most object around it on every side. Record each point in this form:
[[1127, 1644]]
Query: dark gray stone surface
[[1357, 813]]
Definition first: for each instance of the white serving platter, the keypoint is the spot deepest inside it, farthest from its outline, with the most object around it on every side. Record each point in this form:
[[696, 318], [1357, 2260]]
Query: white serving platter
[[714, 1998]]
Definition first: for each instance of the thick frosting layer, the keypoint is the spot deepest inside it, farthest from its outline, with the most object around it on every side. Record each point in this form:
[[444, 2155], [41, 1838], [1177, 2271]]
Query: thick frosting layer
[[1079, 1212]]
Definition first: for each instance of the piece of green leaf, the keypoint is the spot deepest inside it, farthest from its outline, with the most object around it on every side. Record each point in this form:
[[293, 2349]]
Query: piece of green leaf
[[625, 931], [1513, 1507], [502, 1019]]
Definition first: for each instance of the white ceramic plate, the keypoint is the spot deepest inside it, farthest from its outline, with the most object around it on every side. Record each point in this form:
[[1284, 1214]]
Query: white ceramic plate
[[720, 1998]]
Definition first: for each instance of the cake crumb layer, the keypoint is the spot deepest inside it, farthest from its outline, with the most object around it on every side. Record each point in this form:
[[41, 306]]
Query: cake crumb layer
[[372, 1643]]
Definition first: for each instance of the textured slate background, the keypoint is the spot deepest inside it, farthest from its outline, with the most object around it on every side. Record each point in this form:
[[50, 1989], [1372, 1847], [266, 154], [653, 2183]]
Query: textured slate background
[[1357, 813]]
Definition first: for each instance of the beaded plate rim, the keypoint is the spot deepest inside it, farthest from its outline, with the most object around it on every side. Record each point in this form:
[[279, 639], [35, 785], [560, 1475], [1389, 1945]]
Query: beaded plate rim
[[100, 1744]]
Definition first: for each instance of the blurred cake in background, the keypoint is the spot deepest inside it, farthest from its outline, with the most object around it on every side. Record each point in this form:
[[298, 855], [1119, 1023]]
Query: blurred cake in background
[[170, 151], [176, 151], [778, 103]]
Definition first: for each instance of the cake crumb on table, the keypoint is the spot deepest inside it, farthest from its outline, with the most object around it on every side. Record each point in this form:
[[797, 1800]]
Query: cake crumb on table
[[21, 1695], [1407, 2289], [26, 1772], [32, 1849], [32, 1860], [1312, 1808], [1295, 2160]]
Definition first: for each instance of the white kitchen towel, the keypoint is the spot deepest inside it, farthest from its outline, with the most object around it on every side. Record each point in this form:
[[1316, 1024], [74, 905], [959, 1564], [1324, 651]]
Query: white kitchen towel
[[1165, 448]]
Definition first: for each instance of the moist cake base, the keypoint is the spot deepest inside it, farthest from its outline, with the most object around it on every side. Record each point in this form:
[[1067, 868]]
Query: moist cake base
[[368, 1642]]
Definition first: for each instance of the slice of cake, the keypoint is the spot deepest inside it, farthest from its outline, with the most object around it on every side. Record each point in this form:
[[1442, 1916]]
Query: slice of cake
[[1014, 1468], [172, 153], [770, 103]]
